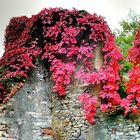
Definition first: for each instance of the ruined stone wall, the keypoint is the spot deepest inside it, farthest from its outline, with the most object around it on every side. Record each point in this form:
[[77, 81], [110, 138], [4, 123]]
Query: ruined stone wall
[[68, 117], [115, 128], [34, 113], [27, 116]]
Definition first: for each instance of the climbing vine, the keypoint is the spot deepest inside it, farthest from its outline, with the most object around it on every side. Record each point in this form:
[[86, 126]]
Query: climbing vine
[[132, 101], [66, 40]]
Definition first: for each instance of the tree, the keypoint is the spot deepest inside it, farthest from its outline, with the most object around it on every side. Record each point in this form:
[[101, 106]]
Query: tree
[[126, 35]]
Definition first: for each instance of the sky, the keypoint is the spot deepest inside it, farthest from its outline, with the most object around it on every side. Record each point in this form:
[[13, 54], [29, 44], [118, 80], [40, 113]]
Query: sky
[[113, 10]]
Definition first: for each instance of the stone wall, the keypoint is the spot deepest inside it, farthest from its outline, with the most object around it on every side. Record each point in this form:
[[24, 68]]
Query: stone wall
[[34, 113], [27, 116], [68, 117], [115, 128]]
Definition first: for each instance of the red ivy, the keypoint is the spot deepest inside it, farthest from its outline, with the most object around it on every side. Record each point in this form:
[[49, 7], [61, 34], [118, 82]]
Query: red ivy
[[133, 85], [89, 106], [66, 41], [2, 92]]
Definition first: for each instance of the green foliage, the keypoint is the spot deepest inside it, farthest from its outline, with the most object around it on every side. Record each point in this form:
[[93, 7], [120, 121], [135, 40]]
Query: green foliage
[[124, 39], [125, 36], [127, 66]]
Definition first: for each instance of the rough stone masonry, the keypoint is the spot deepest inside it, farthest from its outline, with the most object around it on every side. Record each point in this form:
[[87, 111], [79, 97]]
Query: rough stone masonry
[[34, 113]]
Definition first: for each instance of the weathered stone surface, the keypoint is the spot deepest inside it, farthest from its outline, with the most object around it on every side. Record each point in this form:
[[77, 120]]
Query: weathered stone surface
[[74, 126], [35, 114], [114, 128], [29, 110]]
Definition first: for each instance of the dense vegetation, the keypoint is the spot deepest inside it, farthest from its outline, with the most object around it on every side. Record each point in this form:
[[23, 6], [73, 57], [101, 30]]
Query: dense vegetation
[[65, 40], [125, 35]]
